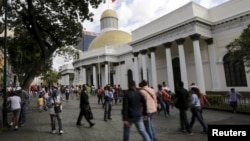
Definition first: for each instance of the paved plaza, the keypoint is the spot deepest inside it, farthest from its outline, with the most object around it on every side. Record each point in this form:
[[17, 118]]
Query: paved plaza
[[38, 127]]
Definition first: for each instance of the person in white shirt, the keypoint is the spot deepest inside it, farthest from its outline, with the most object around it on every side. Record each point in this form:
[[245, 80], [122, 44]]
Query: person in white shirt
[[56, 100], [15, 102], [233, 97], [195, 107]]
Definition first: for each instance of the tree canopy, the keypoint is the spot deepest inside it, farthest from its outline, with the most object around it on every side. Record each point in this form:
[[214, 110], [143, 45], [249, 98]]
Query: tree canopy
[[240, 48], [41, 27], [51, 77]]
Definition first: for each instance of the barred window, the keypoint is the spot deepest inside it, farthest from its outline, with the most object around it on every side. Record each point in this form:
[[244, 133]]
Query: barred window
[[234, 72]]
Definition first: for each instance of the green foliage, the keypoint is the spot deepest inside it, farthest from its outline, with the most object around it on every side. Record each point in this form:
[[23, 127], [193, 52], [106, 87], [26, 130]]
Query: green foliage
[[42, 27], [240, 48], [215, 99], [51, 77]]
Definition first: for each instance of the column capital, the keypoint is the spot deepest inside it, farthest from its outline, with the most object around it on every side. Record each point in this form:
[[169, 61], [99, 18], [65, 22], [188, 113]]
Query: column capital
[[115, 64], [180, 41], [143, 52], [152, 49], [209, 41], [195, 37], [94, 64], [167, 45], [135, 54], [122, 62]]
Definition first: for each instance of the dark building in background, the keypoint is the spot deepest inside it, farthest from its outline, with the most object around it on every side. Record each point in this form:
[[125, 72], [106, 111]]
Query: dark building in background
[[86, 39]]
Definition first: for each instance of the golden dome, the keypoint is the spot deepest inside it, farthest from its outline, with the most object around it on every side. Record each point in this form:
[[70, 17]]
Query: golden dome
[[108, 38], [109, 13]]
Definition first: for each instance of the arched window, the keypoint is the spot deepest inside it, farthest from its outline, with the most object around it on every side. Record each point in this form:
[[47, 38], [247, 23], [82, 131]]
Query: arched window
[[234, 72]]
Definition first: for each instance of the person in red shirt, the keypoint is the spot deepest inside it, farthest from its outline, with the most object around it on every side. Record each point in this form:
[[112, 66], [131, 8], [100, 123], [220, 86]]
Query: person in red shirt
[[166, 100], [100, 95]]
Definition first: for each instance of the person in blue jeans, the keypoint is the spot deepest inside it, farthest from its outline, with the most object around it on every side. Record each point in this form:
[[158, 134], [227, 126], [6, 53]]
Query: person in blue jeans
[[149, 95], [109, 96], [133, 110], [195, 107], [24, 103], [160, 101]]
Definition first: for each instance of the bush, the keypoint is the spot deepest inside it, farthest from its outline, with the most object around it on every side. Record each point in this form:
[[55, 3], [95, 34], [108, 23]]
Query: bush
[[215, 99]]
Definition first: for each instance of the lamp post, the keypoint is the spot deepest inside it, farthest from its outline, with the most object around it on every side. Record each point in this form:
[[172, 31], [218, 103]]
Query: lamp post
[[4, 110]]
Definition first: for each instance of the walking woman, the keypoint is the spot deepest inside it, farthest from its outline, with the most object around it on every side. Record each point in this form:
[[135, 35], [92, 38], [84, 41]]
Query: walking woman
[[160, 100], [15, 102], [196, 109]]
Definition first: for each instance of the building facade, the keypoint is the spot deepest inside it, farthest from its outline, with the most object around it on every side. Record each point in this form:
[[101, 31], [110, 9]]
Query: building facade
[[188, 44]]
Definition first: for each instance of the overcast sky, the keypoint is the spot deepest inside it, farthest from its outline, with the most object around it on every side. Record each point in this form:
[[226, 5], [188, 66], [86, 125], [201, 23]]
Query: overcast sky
[[135, 13]]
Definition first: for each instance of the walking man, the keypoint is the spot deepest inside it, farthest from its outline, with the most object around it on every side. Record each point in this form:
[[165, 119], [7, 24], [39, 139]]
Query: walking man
[[181, 102], [133, 110], [84, 105]]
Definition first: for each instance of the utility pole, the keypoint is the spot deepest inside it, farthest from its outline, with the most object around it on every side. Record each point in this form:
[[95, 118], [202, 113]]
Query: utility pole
[[4, 110]]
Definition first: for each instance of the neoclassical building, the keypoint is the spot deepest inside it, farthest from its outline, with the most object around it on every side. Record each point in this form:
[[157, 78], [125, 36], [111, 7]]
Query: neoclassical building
[[188, 44]]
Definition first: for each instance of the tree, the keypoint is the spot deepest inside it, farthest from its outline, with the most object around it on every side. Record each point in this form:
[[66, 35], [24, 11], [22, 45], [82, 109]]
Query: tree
[[1, 13], [51, 77], [240, 48], [41, 27]]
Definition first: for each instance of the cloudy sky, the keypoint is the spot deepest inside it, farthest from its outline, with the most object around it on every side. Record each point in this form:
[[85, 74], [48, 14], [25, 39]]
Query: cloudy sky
[[135, 13]]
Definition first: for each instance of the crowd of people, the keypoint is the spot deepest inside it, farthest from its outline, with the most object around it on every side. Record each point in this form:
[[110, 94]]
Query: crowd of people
[[139, 105]]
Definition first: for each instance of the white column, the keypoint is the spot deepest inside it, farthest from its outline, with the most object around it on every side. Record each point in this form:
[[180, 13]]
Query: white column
[[183, 66], [120, 73], [80, 76], [123, 71], [169, 66], [144, 64], [153, 67], [106, 74], [94, 75], [136, 70], [83, 75], [67, 79], [75, 77], [198, 63], [213, 68]]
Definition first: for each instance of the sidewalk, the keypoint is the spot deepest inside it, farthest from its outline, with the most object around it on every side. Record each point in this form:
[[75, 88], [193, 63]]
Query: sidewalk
[[38, 128]]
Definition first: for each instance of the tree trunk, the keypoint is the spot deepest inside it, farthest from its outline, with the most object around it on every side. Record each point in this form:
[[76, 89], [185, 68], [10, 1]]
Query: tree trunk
[[35, 71]]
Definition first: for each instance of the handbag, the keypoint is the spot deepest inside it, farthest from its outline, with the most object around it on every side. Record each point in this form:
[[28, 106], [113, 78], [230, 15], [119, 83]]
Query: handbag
[[89, 113], [57, 108]]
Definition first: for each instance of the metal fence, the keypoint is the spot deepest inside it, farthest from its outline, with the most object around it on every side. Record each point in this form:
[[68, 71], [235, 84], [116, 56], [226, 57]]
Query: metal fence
[[220, 102]]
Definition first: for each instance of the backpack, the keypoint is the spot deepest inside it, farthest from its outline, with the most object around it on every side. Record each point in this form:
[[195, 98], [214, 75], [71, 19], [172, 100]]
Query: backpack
[[165, 97]]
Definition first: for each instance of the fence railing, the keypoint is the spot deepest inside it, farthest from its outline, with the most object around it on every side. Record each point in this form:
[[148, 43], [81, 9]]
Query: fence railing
[[221, 102]]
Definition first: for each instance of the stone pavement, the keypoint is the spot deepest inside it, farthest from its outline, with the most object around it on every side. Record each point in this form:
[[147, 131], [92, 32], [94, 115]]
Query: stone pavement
[[38, 127]]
